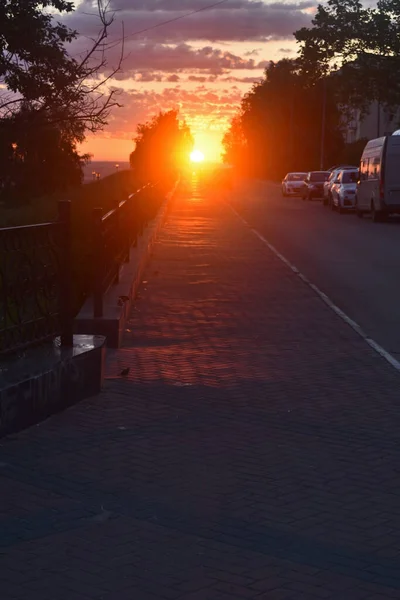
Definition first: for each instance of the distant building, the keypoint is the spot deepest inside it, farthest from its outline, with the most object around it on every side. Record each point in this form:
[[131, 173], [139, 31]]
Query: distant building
[[376, 123]]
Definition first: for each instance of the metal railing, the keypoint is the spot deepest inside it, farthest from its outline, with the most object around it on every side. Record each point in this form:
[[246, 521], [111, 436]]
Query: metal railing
[[37, 276], [114, 233], [35, 283]]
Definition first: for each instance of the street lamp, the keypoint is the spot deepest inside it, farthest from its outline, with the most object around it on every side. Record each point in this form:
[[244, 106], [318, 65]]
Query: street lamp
[[98, 176], [117, 167], [323, 123], [94, 175]]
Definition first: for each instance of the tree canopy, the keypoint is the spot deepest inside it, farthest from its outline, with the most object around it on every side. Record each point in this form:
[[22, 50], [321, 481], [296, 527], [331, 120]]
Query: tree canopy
[[49, 99], [359, 46], [163, 145], [350, 56], [278, 127]]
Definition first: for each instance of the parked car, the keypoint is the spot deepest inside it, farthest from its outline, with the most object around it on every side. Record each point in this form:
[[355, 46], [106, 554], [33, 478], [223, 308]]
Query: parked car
[[343, 190], [337, 167], [314, 184], [292, 184], [378, 189], [327, 198]]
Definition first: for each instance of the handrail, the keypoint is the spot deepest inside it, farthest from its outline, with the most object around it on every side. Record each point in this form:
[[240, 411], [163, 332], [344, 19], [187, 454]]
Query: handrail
[[37, 271], [114, 234]]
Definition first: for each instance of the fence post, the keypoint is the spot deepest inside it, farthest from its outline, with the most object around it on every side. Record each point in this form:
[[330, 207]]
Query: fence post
[[65, 299], [134, 219], [118, 236], [97, 263], [141, 209], [127, 228]]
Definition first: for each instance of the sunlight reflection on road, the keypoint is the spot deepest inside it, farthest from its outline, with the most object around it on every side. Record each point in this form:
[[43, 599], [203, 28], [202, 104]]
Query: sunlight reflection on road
[[195, 186]]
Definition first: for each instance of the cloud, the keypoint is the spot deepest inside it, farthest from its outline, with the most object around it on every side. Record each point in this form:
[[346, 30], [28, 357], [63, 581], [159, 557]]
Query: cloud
[[206, 61], [233, 79], [202, 107], [237, 20], [147, 58]]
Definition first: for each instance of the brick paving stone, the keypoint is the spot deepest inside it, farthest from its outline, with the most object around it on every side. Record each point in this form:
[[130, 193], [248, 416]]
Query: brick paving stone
[[252, 451]]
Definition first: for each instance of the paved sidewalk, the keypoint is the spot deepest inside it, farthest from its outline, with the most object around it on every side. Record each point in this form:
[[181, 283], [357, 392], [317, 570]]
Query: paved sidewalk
[[252, 451]]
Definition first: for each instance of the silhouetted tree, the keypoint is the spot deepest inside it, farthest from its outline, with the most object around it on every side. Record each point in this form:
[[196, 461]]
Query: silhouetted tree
[[48, 98], [359, 46], [163, 146], [37, 157], [234, 144], [351, 154], [279, 124]]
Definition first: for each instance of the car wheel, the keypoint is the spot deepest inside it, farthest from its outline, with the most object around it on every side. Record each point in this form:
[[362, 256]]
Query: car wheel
[[376, 215]]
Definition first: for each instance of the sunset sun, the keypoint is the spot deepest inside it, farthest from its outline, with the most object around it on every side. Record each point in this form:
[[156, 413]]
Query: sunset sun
[[196, 156]]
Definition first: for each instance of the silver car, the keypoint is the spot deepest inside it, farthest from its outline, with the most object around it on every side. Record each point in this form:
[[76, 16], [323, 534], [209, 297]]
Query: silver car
[[292, 184], [344, 189], [327, 198]]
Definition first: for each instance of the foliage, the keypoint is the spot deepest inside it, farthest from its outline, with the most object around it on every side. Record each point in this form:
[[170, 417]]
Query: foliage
[[351, 153], [48, 98], [359, 46], [279, 124], [234, 143], [162, 149], [36, 157]]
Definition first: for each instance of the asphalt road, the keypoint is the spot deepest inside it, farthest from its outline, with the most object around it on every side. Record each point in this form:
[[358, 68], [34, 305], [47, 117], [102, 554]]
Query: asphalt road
[[354, 261]]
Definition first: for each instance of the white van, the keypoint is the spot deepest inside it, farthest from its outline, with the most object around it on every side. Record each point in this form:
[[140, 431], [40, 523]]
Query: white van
[[378, 188]]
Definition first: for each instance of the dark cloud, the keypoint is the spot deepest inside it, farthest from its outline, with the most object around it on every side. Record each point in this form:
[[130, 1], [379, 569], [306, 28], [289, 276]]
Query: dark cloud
[[194, 52], [254, 52], [179, 5], [160, 57], [233, 79], [237, 20]]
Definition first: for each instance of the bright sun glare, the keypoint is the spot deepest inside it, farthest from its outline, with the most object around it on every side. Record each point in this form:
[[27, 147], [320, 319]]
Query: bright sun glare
[[196, 156]]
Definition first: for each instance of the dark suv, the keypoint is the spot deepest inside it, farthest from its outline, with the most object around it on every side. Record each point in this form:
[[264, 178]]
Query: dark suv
[[314, 184]]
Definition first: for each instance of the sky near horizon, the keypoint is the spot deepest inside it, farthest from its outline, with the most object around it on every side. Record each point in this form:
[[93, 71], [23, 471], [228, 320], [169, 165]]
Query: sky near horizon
[[201, 64]]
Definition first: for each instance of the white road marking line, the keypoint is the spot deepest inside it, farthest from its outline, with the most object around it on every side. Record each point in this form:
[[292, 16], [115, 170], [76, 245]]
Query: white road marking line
[[355, 326]]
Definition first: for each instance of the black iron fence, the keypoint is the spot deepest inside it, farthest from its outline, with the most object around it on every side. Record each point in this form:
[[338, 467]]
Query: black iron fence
[[37, 268], [114, 234], [35, 283]]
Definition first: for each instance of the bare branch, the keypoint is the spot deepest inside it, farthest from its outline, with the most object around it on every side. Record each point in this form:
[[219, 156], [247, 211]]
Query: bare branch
[[84, 96]]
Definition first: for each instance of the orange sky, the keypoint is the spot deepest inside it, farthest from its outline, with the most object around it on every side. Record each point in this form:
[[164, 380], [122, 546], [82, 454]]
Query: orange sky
[[176, 66]]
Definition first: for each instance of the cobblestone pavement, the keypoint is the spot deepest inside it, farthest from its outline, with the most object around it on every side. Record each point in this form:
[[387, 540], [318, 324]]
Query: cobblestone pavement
[[252, 451]]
